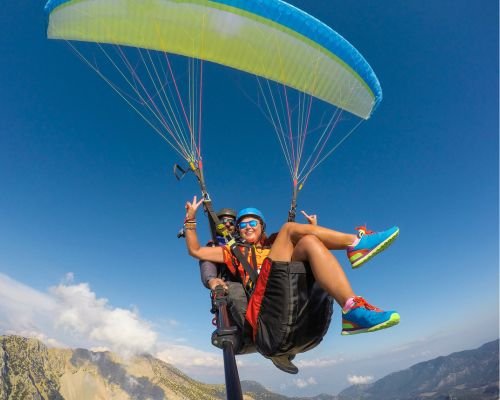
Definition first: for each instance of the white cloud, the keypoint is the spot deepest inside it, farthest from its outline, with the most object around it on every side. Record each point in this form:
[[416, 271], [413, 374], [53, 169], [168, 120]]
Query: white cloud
[[185, 356], [69, 308], [359, 380], [99, 349], [199, 364], [318, 362], [302, 383], [81, 312], [24, 310]]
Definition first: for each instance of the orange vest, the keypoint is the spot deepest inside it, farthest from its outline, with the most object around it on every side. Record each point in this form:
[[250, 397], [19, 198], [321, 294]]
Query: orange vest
[[256, 262]]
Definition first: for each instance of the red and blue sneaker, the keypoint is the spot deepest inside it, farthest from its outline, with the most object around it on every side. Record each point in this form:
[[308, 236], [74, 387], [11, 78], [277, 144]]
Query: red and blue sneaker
[[363, 317], [370, 244]]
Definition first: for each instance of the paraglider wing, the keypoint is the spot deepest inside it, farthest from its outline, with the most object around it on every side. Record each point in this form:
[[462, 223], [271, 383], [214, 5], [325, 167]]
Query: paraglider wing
[[268, 38]]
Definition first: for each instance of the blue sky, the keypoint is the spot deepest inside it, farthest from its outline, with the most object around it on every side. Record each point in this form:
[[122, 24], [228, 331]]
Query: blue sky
[[89, 208]]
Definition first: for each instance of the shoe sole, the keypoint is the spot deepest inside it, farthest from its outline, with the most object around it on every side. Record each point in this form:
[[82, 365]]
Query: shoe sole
[[381, 247], [394, 320], [289, 368]]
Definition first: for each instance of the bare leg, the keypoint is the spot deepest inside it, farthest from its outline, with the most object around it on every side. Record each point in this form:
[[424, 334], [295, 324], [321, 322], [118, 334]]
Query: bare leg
[[325, 267], [292, 232]]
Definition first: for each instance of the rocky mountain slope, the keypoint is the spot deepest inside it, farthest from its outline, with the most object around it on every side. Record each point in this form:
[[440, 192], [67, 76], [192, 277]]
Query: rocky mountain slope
[[465, 375], [30, 370]]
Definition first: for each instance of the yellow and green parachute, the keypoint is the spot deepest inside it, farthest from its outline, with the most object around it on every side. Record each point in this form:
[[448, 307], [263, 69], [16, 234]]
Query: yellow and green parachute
[[278, 43]]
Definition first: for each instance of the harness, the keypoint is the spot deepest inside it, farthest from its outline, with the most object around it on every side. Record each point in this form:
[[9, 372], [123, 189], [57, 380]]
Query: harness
[[249, 257]]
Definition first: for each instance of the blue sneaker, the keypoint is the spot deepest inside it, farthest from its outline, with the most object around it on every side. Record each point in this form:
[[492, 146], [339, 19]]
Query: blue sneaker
[[370, 244], [364, 317]]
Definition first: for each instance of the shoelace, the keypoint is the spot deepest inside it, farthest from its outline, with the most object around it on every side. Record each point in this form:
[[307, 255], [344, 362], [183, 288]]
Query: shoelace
[[360, 302], [363, 230]]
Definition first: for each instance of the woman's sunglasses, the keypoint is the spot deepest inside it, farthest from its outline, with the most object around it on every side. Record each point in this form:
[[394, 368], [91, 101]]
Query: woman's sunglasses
[[252, 223]]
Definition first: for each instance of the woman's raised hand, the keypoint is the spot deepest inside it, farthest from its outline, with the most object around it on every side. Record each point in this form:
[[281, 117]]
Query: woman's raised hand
[[192, 207], [312, 219]]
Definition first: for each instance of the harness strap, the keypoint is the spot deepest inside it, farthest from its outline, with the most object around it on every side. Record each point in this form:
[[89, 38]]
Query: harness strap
[[254, 258], [252, 274]]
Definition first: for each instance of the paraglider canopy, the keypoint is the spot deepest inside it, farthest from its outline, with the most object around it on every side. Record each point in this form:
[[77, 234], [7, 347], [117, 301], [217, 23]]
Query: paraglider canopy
[[268, 38], [297, 59]]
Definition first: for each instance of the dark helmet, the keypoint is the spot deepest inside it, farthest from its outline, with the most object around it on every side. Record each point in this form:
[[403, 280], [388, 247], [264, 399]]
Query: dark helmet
[[226, 211], [245, 212]]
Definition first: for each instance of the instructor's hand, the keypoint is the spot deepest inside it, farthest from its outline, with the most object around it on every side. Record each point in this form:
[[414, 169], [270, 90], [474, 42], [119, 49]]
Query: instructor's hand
[[214, 282]]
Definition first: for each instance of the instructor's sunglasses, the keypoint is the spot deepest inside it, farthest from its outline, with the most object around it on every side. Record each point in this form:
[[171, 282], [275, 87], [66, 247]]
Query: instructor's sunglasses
[[252, 223], [227, 220]]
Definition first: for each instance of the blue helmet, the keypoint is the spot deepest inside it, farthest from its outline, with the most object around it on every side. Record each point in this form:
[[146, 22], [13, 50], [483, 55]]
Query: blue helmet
[[245, 212]]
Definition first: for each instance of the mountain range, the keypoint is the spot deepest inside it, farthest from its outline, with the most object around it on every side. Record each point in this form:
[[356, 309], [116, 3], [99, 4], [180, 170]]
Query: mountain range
[[30, 370], [465, 375]]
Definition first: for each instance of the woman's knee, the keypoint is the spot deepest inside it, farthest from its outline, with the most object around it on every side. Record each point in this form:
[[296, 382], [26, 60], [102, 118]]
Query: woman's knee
[[289, 227], [305, 247], [294, 231], [309, 242]]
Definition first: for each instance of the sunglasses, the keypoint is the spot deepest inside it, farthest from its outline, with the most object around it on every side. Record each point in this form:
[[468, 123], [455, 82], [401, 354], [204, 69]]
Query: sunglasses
[[252, 223], [227, 220]]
